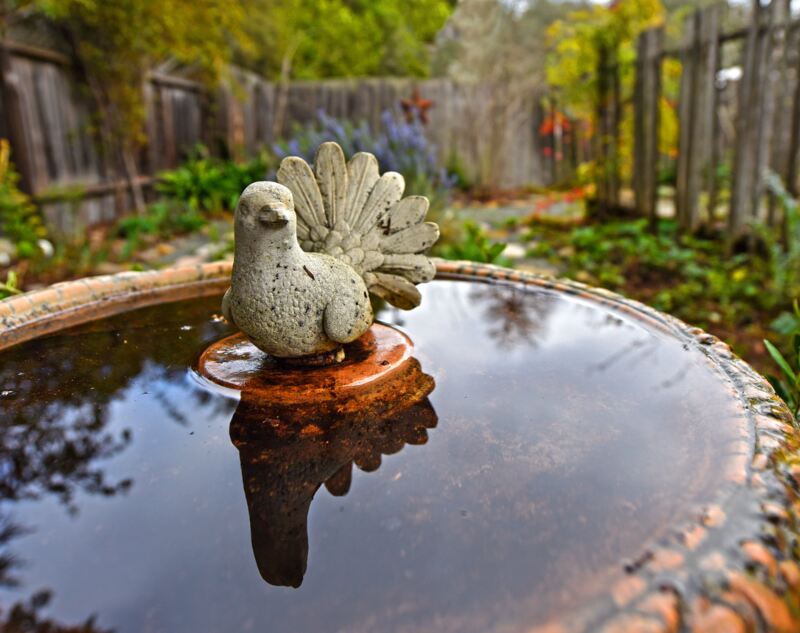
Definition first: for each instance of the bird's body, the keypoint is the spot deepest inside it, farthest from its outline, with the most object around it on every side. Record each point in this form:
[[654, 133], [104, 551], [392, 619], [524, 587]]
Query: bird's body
[[363, 238], [329, 304]]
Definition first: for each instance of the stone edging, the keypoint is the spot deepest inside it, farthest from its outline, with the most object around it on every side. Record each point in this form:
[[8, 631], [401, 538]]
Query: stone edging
[[734, 568]]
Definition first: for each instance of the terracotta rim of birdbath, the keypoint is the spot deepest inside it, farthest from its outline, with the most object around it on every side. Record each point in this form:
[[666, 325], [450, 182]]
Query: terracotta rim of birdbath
[[733, 567]]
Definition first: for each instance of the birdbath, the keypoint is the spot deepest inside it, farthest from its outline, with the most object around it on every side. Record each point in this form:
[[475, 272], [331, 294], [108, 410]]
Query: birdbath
[[515, 453]]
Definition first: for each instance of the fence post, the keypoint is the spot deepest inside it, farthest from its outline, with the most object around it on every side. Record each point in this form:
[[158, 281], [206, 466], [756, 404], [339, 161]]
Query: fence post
[[794, 138], [753, 127], [647, 95], [697, 115], [608, 103]]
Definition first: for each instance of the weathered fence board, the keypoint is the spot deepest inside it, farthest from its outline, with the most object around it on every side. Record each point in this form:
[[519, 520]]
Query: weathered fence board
[[697, 112], [647, 98], [756, 119], [793, 147], [608, 128], [755, 122]]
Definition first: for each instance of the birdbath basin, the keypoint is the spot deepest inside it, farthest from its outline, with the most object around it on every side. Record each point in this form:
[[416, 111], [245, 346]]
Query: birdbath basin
[[543, 456]]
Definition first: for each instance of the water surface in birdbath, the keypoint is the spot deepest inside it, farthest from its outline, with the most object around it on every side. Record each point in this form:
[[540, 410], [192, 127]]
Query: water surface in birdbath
[[561, 441]]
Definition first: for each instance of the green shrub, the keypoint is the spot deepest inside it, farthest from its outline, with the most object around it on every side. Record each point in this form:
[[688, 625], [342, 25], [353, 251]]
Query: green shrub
[[163, 218], [20, 221], [668, 174], [207, 184], [458, 173], [692, 278], [788, 322]]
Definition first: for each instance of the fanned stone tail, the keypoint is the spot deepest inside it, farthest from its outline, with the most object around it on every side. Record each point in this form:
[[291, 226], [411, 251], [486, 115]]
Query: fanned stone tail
[[353, 213]]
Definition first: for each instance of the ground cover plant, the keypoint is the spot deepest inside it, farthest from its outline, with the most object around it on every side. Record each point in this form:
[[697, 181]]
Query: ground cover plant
[[473, 244], [736, 296]]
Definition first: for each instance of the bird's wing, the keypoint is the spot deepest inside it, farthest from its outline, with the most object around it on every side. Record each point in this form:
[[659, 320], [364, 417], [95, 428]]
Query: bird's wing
[[342, 323], [351, 212]]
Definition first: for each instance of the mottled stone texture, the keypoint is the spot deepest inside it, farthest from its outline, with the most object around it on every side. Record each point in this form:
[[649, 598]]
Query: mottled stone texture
[[288, 302], [311, 249]]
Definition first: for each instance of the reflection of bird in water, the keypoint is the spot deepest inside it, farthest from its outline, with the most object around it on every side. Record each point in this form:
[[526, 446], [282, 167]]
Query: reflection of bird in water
[[285, 460], [518, 316]]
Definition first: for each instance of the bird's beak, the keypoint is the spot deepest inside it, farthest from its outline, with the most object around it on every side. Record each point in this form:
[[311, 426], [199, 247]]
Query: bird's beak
[[273, 216]]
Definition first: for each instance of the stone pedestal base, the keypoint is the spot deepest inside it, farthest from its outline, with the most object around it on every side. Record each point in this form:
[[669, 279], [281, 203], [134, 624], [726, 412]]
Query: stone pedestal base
[[377, 372]]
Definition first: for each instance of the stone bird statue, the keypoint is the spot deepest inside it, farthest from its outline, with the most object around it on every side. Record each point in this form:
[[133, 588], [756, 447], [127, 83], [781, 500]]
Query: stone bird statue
[[310, 248]]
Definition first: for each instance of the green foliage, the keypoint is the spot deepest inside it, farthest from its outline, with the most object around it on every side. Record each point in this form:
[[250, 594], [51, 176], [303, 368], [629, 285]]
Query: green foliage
[[10, 287], [345, 38], [784, 251], [787, 382], [691, 278], [458, 173], [474, 245], [19, 219], [787, 322], [668, 174], [162, 218], [117, 43], [784, 267], [198, 188], [206, 184]]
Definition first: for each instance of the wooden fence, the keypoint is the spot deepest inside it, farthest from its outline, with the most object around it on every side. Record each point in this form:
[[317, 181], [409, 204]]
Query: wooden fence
[[492, 129], [745, 134]]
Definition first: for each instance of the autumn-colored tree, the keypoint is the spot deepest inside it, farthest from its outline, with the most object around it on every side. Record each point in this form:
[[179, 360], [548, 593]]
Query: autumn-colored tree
[[578, 42], [593, 55]]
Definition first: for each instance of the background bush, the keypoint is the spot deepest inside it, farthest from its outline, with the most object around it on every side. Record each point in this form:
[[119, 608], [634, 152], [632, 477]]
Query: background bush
[[207, 184], [20, 221], [400, 146]]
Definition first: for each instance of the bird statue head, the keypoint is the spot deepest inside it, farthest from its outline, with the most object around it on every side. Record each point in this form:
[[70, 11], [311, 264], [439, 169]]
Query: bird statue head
[[265, 214]]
